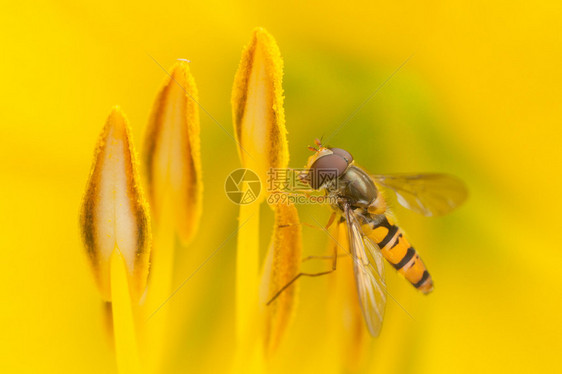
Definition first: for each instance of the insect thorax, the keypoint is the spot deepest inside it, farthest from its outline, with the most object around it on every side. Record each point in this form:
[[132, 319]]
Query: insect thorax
[[355, 187]]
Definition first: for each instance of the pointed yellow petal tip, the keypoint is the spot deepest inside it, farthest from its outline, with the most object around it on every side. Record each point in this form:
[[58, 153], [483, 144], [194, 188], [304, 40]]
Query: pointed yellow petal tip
[[114, 212], [173, 155], [257, 106], [281, 266]]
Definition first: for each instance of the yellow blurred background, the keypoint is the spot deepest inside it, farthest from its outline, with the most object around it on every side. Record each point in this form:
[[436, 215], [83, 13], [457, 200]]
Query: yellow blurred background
[[479, 98]]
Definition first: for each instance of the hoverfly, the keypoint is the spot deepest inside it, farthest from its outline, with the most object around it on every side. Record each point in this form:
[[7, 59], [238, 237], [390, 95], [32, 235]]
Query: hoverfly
[[355, 196]]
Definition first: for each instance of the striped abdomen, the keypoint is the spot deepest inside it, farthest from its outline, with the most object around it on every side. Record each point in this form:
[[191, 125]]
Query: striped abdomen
[[398, 251]]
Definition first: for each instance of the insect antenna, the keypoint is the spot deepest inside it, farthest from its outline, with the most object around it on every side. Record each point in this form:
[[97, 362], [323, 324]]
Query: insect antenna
[[318, 142]]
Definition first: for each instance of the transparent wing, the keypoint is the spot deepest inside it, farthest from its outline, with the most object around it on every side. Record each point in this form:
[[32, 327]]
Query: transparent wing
[[368, 266], [428, 194]]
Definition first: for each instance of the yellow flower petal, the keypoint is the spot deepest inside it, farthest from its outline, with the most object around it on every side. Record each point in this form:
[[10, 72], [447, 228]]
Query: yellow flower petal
[[282, 264], [126, 348], [173, 159], [114, 213], [257, 106], [173, 168], [349, 330], [259, 124]]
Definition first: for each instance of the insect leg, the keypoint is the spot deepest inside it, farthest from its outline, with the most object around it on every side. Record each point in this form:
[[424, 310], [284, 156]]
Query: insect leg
[[309, 225], [300, 224], [307, 258], [334, 258], [330, 220]]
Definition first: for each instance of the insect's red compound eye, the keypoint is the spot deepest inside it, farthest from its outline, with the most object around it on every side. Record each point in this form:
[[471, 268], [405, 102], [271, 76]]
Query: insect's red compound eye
[[326, 167], [343, 153]]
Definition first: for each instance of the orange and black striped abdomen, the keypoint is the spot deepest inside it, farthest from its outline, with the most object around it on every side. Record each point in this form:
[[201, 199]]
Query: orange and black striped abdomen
[[398, 251]]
